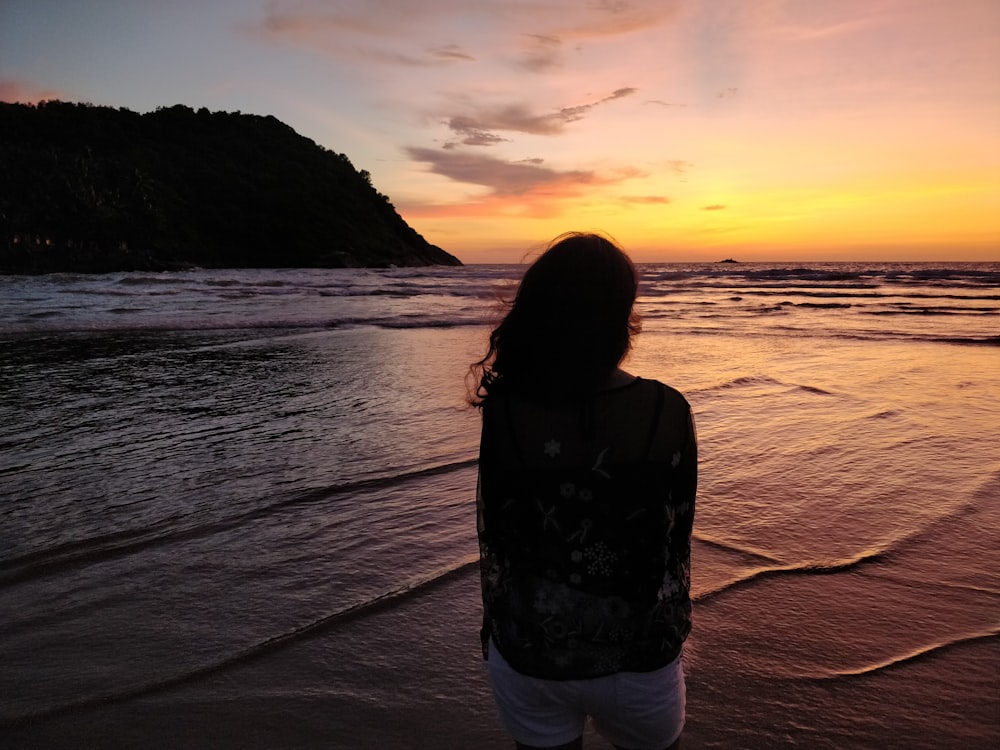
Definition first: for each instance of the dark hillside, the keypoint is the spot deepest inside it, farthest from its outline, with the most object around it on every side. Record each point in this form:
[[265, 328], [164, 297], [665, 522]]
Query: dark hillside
[[85, 188]]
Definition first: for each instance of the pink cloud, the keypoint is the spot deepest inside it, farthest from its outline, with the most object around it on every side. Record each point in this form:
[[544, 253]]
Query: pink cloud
[[477, 129], [450, 52], [541, 53], [645, 199], [358, 30], [542, 26], [620, 17], [524, 188], [501, 176]]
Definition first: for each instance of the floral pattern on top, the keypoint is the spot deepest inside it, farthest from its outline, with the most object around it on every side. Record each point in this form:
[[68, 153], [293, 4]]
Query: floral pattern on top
[[585, 563]]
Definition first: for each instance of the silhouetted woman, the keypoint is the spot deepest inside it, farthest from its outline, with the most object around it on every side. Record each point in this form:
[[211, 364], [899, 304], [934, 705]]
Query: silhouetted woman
[[585, 508]]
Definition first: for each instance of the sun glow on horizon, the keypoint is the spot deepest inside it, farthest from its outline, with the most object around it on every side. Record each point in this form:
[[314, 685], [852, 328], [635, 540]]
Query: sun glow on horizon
[[687, 130]]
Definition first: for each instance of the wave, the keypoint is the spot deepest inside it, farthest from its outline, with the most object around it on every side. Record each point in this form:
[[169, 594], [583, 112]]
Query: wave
[[984, 493], [824, 292], [919, 654], [96, 549], [796, 569], [918, 338], [56, 323], [925, 311], [859, 274], [144, 279], [730, 547], [928, 532], [866, 336], [428, 323], [904, 579], [885, 414], [948, 274], [970, 275], [762, 380], [451, 298], [241, 324], [824, 305], [413, 587], [973, 340], [353, 283], [814, 389], [124, 310], [744, 380]]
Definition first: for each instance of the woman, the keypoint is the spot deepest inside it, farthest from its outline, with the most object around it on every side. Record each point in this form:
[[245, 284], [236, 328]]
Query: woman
[[585, 508]]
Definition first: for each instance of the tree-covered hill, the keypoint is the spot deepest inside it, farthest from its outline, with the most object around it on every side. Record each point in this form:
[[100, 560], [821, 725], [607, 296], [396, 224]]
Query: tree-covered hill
[[87, 188]]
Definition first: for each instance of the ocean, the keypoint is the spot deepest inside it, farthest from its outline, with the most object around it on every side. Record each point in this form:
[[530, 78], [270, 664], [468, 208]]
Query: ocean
[[237, 506]]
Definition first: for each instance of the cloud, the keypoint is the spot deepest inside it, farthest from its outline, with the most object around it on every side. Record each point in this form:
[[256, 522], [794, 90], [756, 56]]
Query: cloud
[[713, 207], [524, 188], [491, 207], [431, 58], [512, 117], [645, 199], [304, 20], [501, 176], [472, 136], [380, 31], [14, 91], [615, 7], [518, 118], [540, 28], [541, 54], [450, 53], [620, 17], [679, 166], [811, 33]]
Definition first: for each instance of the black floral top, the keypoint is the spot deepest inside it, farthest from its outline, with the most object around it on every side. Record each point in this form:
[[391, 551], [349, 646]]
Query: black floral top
[[585, 513]]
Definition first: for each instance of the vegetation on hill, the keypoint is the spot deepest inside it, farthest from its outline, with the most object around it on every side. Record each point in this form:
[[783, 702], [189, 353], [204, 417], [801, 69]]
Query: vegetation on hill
[[87, 188]]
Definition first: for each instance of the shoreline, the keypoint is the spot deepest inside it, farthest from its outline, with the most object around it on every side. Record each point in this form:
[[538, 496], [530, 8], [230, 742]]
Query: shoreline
[[317, 693]]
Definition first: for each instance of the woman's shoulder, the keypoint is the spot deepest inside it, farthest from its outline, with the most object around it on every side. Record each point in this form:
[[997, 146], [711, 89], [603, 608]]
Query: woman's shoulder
[[623, 391], [649, 390]]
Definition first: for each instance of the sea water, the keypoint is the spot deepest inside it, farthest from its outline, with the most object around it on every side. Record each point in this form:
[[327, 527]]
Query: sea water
[[236, 507]]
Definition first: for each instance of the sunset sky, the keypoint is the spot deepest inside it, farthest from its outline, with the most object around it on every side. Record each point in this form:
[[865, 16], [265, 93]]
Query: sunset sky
[[687, 129]]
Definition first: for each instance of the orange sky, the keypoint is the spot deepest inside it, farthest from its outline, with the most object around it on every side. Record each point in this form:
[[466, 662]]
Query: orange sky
[[688, 130]]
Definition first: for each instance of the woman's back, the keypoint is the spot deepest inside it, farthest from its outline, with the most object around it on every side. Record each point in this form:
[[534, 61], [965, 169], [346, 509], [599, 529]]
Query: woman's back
[[585, 515]]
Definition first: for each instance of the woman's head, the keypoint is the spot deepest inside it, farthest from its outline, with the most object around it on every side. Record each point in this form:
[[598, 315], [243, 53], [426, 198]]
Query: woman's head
[[570, 324]]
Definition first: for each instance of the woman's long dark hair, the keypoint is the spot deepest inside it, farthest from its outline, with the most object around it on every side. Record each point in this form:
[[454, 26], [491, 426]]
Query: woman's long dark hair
[[569, 326]]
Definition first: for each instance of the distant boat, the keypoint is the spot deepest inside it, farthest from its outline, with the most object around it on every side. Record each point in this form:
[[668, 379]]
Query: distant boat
[[728, 260]]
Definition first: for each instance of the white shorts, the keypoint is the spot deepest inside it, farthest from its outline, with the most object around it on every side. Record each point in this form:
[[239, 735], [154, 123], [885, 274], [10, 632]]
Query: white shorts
[[639, 710]]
